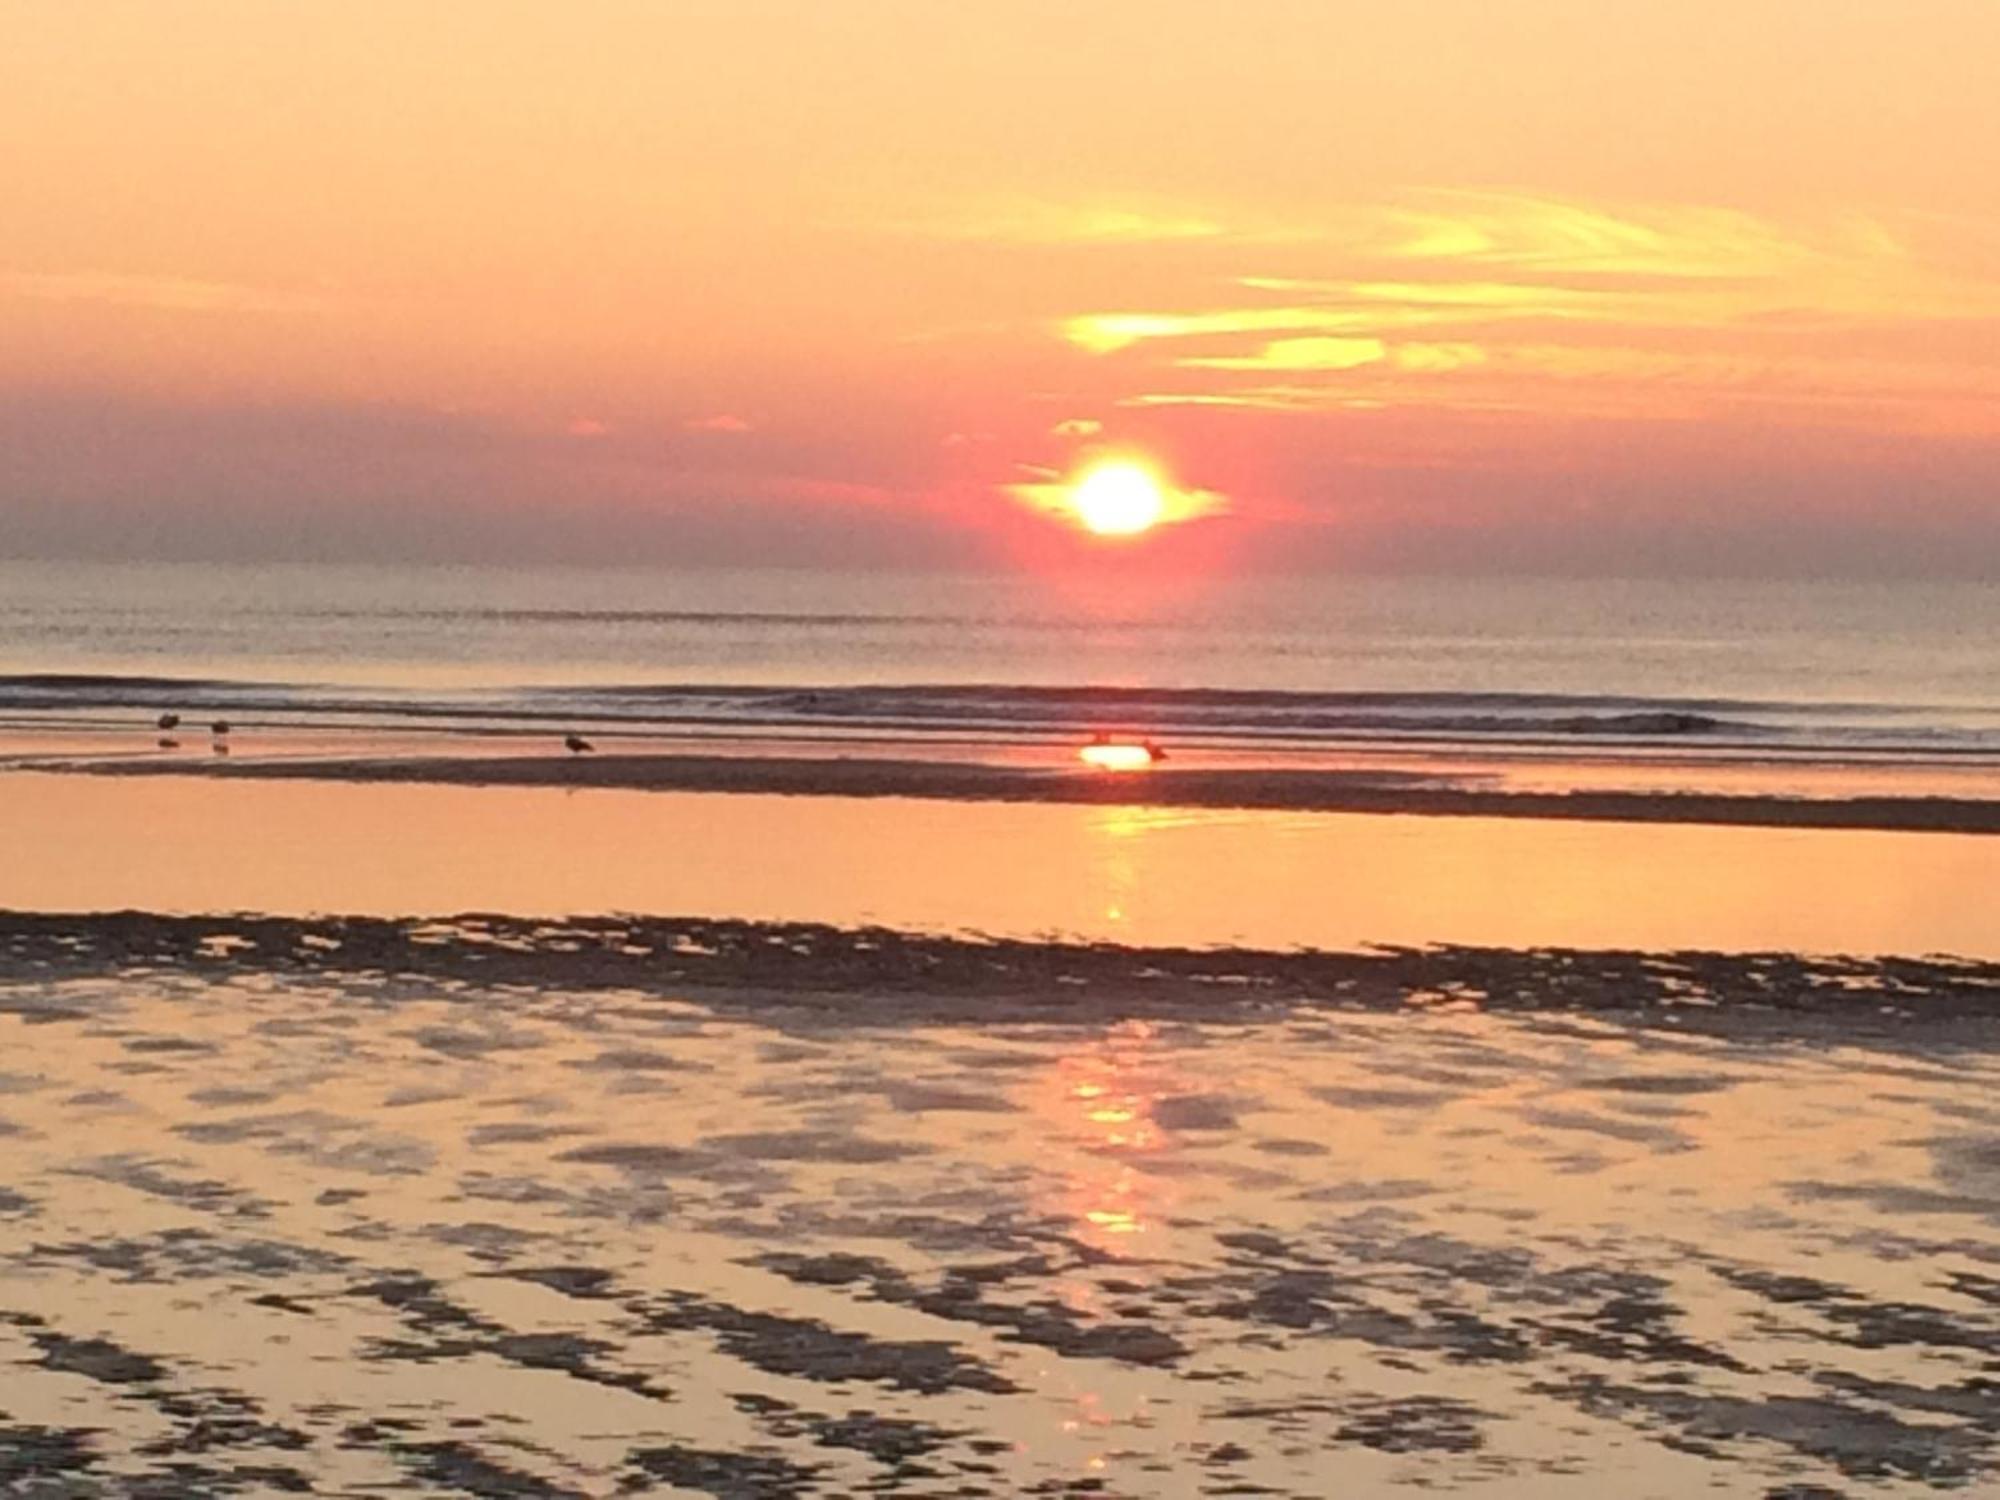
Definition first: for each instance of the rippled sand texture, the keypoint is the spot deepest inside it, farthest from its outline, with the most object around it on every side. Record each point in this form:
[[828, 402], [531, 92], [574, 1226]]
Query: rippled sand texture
[[262, 1234]]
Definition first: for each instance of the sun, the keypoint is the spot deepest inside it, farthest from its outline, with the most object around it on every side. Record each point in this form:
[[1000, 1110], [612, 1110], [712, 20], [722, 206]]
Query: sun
[[1118, 499], [1115, 496]]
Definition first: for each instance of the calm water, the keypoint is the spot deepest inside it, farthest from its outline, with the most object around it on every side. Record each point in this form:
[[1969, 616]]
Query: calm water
[[1822, 668]]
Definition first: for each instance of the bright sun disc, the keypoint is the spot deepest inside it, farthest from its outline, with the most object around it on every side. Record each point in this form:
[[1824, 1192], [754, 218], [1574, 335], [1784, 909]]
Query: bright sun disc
[[1118, 500]]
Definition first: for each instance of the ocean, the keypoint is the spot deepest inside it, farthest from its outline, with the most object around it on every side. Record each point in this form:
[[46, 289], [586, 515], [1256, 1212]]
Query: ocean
[[1868, 673]]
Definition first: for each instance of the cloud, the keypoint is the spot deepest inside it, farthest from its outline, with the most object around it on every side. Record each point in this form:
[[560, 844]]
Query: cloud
[[720, 422], [1031, 221], [1438, 357], [1278, 398], [1521, 231], [1494, 302], [1077, 427], [1107, 333], [1249, 400], [1313, 353], [587, 427], [157, 293]]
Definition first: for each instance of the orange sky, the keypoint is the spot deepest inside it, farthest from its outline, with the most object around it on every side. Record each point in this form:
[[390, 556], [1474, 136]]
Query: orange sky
[[1554, 283]]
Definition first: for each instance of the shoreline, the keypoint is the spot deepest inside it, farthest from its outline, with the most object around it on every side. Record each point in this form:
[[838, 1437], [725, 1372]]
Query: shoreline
[[1248, 789]]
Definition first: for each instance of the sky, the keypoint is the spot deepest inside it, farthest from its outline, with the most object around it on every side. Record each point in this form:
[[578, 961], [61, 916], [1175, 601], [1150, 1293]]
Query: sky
[[1574, 286]]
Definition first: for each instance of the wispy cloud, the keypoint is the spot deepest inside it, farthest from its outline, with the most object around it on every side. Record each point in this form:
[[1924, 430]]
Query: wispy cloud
[[1486, 301], [1272, 398], [1524, 232], [159, 293], [722, 422], [1106, 333], [1032, 221], [1317, 352]]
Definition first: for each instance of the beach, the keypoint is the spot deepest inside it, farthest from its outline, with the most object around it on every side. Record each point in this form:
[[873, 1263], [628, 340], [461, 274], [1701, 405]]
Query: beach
[[817, 1091], [937, 1144], [613, 1207]]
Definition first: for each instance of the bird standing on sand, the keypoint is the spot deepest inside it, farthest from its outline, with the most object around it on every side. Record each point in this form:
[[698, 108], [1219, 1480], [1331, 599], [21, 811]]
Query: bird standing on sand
[[576, 744], [169, 721], [168, 742], [219, 728]]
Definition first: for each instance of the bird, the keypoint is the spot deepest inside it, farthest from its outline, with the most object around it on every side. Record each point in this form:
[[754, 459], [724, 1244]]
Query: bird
[[169, 721], [576, 744], [1153, 751], [219, 727], [168, 742]]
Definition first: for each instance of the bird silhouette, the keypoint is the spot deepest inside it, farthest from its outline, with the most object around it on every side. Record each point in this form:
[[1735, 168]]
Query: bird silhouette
[[219, 727], [576, 744], [169, 721], [168, 742]]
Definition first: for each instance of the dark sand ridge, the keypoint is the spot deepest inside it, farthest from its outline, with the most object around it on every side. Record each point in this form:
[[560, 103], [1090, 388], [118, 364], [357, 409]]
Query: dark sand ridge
[[805, 967], [1169, 786]]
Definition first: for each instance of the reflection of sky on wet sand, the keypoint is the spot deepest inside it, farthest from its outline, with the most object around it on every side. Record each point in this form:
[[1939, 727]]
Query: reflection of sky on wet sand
[[1141, 875], [583, 1237]]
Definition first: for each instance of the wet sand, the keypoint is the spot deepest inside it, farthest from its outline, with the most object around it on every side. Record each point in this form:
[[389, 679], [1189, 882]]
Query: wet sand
[[1636, 1189], [618, 1207], [1319, 789]]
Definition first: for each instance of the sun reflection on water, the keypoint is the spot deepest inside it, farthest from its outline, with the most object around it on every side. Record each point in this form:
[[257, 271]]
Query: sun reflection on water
[[1099, 1103]]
